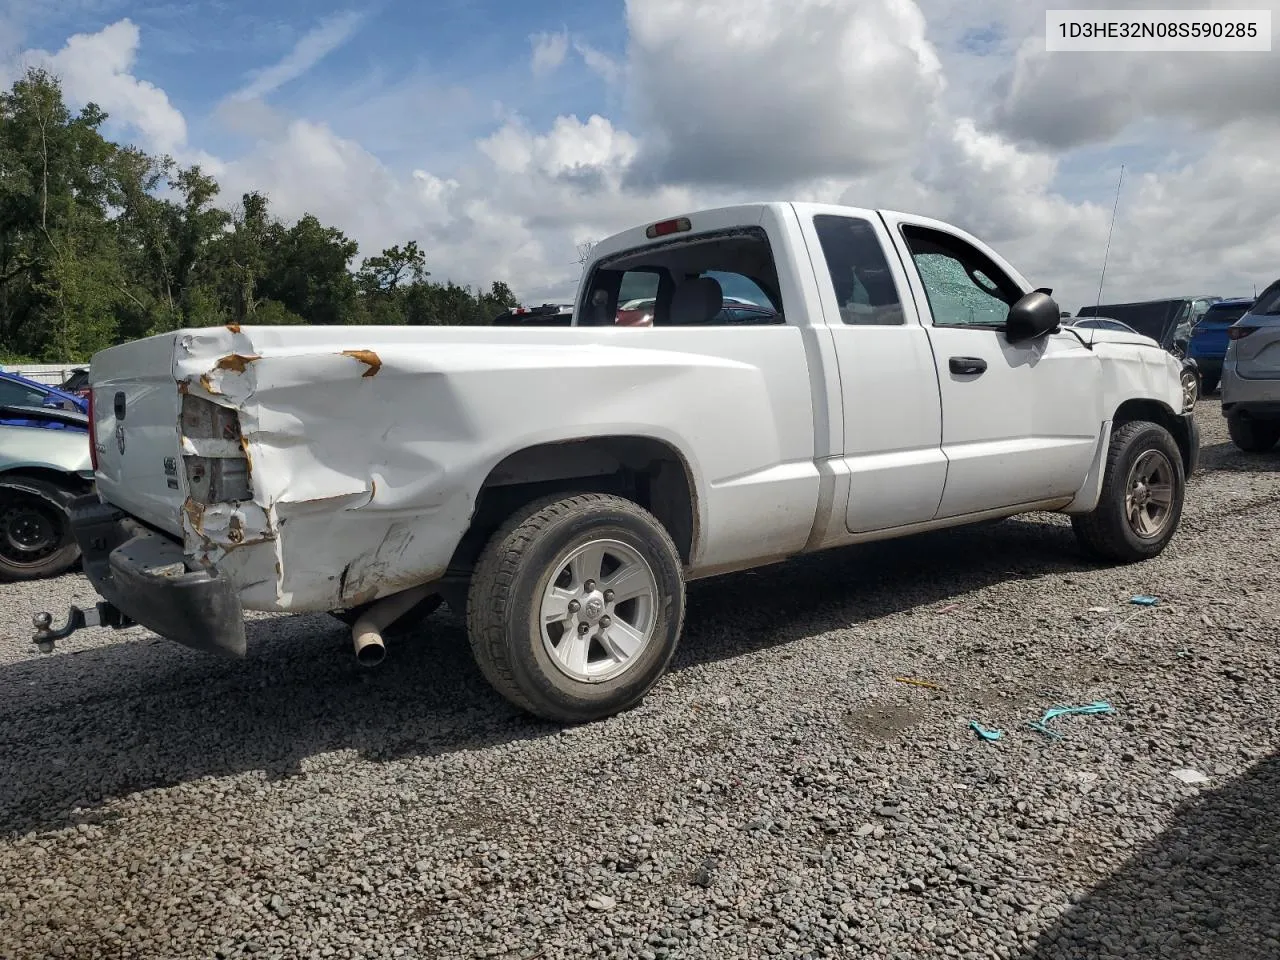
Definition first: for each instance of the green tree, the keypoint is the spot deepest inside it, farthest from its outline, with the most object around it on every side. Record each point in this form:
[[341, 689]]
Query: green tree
[[102, 243]]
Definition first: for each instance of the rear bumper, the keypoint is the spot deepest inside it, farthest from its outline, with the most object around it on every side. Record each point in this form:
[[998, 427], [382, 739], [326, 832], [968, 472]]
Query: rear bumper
[[1242, 396], [144, 575]]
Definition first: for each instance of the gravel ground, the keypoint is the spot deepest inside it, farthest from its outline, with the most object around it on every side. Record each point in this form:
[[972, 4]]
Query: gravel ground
[[779, 793]]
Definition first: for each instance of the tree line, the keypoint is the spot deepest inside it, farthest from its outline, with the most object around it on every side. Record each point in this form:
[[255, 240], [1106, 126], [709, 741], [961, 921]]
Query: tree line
[[101, 243]]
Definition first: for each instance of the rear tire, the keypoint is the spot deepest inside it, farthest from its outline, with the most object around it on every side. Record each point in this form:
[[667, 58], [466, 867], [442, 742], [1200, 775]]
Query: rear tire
[[1253, 436], [35, 530], [1142, 496], [542, 602]]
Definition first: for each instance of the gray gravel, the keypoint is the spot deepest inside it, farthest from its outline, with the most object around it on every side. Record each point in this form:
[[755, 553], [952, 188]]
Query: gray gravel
[[779, 794]]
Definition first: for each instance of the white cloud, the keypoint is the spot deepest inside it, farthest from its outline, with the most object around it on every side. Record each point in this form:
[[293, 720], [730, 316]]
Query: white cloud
[[864, 102], [98, 67], [549, 51], [598, 62], [769, 94], [330, 34]]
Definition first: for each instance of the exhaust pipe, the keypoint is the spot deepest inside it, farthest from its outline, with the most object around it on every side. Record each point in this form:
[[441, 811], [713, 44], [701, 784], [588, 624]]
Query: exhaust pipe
[[366, 634]]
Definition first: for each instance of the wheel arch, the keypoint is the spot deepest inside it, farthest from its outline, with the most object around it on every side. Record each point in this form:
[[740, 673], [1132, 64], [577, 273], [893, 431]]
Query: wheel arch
[[1155, 411], [652, 472]]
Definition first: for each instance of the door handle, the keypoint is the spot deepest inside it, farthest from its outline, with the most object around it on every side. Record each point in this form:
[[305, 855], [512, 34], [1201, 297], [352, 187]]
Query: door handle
[[968, 366]]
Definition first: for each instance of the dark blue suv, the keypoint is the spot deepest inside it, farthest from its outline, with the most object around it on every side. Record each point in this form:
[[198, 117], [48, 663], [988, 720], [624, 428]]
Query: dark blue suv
[[1209, 339]]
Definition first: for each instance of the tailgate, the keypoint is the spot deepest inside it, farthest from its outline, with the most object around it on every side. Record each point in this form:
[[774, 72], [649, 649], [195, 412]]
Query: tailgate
[[1210, 341], [136, 406]]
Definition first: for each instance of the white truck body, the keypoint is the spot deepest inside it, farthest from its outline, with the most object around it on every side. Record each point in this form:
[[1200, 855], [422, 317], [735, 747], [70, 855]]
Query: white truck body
[[367, 453]]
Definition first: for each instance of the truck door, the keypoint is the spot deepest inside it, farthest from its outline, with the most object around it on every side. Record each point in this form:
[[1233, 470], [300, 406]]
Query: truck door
[[888, 382], [1020, 422]]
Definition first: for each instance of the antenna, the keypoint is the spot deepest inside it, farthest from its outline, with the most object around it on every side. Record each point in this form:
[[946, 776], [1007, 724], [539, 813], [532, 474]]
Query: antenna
[[1107, 253]]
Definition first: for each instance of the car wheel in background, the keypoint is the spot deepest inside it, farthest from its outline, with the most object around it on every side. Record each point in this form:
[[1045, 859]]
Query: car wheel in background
[[35, 530], [1253, 436], [1191, 389], [576, 606], [1142, 496]]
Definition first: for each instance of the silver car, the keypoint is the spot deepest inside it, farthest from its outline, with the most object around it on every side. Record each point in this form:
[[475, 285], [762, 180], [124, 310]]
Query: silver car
[[45, 463], [1251, 375]]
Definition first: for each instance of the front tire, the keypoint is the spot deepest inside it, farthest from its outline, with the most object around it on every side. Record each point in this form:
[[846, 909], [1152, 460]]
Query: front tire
[[1142, 496], [576, 607], [35, 530], [1253, 436]]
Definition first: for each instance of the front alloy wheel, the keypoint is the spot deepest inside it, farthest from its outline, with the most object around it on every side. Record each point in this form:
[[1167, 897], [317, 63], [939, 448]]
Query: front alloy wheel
[[1140, 503]]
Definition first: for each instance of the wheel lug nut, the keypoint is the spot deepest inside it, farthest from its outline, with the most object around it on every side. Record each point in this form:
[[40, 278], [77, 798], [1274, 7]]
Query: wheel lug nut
[[605, 621], [590, 585], [584, 627], [574, 606], [608, 596]]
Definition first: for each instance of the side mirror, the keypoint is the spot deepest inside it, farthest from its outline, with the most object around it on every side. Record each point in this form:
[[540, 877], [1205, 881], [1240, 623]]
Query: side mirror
[[1032, 317]]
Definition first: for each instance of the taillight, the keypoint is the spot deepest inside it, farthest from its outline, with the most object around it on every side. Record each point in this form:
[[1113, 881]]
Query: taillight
[[1239, 333], [93, 437]]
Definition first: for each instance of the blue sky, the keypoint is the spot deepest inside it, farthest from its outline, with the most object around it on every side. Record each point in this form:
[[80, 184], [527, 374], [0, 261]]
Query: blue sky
[[412, 81], [442, 123]]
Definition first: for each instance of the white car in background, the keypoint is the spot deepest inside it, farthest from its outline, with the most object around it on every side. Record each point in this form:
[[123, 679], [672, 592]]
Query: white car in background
[[1251, 375]]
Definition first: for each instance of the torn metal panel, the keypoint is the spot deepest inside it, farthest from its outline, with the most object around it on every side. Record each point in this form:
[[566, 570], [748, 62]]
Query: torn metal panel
[[368, 358]]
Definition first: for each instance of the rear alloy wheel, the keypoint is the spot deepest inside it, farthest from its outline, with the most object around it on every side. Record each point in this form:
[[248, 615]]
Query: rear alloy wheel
[[1253, 436], [576, 607], [1142, 495], [35, 531]]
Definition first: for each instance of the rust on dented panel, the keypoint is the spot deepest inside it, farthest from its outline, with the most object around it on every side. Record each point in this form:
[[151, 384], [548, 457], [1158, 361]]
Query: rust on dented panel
[[194, 510], [368, 358], [208, 385], [236, 362]]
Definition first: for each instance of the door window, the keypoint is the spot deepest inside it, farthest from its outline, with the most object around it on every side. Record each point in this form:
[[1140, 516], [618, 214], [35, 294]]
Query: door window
[[963, 286], [865, 291]]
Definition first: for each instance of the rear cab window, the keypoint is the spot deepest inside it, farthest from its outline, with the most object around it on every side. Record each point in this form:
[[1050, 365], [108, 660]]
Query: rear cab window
[[723, 278]]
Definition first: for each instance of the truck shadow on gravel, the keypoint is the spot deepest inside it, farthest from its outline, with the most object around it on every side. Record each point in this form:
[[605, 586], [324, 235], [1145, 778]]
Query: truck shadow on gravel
[[1228, 458], [78, 729], [1208, 886]]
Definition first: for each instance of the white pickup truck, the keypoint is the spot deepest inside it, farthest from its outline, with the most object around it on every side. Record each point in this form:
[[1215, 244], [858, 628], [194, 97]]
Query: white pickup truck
[[805, 377]]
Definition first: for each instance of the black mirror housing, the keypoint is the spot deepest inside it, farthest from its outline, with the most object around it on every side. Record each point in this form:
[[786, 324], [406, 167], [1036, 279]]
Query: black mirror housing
[[1035, 315]]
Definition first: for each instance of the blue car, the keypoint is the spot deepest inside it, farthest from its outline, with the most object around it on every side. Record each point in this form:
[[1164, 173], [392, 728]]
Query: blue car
[[18, 394], [1208, 345]]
